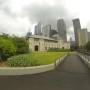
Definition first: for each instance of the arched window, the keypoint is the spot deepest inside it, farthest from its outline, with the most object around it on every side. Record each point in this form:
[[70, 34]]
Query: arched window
[[36, 48]]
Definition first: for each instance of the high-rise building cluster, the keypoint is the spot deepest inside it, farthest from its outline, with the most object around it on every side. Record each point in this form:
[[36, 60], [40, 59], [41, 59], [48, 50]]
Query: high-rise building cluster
[[81, 34], [47, 30]]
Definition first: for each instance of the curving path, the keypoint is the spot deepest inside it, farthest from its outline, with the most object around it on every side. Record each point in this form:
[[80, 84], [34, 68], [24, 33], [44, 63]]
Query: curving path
[[72, 74]]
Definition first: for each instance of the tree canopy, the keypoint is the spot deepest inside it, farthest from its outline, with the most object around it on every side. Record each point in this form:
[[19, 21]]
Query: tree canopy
[[7, 48], [21, 44], [88, 46], [12, 45]]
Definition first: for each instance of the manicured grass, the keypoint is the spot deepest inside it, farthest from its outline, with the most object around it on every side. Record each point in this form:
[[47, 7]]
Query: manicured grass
[[34, 59], [48, 57]]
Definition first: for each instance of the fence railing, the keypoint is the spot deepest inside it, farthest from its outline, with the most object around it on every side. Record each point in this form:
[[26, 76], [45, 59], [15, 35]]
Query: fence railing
[[85, 59]]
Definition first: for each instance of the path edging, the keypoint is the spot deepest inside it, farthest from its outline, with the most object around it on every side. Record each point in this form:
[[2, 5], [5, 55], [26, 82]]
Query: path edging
[[30, 70], [85, 60]]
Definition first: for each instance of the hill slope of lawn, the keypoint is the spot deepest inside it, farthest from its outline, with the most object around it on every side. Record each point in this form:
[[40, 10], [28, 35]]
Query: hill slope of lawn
[[34, 59]]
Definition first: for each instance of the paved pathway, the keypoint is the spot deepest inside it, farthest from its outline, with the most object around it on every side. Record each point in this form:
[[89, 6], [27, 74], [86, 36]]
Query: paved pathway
[[72, 74]]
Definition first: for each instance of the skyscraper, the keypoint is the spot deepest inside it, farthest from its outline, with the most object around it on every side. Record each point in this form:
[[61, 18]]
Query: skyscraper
[[38, 30], [46, 30], [77, 28], [83, 37], [61, 26], [88, 36]]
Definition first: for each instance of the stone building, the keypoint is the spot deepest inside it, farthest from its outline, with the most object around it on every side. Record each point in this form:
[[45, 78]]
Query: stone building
[[41, 43]]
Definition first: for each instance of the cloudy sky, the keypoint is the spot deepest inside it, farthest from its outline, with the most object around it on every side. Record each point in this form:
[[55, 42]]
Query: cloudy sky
[[19, 16]]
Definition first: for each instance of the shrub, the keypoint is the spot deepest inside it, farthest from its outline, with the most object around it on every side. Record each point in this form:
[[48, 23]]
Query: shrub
[[58, 50], [87, 46], [22, 61]]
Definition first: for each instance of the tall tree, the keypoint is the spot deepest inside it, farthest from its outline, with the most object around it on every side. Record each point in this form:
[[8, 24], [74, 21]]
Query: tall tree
[[7, 48]]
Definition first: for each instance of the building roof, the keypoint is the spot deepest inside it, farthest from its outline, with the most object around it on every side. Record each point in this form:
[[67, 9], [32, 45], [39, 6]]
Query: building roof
[[42, 37]]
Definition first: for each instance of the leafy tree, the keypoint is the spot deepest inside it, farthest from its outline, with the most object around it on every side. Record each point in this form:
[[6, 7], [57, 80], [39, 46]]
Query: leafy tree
[[7, 48], [18, 43], [88, 46], [21, 44]]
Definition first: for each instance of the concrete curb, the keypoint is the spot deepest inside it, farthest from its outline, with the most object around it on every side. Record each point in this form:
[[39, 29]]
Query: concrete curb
[[85, 60], [29, 70]]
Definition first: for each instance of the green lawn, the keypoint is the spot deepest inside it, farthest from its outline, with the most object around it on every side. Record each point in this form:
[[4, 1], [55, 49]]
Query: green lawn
[[34, 59], [48, 57]]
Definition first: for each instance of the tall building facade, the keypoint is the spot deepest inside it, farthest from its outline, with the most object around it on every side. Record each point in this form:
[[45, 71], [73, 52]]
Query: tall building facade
[[38, 30], [88, 36], [83, 37], [77, 28], [46, 30], [61, 26]]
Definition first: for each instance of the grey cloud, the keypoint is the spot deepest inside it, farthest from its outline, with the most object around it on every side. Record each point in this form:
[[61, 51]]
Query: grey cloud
[[47, 14], [5, 8], [2, 1]]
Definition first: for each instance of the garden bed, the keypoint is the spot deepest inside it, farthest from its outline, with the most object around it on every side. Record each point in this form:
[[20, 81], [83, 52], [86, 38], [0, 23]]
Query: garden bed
[[34, 59], [3, 64]]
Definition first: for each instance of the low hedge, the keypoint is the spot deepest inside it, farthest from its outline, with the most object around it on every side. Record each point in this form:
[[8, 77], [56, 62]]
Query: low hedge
[[34, 59], [22, 61], [58, 50]]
